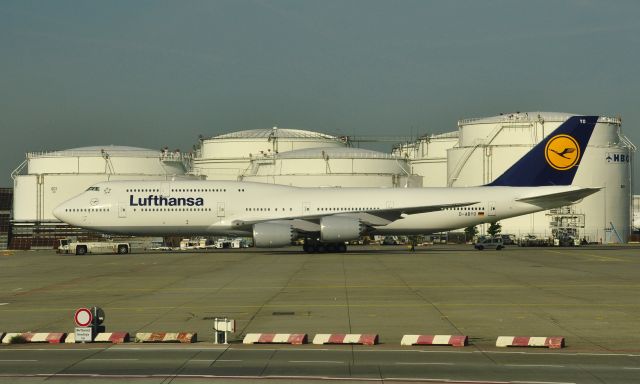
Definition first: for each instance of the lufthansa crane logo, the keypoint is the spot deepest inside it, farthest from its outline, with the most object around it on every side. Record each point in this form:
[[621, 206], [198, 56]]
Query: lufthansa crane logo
[[562, 152]]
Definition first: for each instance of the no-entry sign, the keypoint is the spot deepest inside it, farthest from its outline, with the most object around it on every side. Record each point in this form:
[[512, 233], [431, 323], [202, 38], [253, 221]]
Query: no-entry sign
[[83, 317]]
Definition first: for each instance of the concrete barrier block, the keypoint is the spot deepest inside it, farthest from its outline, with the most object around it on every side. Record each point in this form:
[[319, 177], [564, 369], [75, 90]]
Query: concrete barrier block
[[529, 341], [166, 337], [452, 340], [112, 337], [345, 338], [275, 338]]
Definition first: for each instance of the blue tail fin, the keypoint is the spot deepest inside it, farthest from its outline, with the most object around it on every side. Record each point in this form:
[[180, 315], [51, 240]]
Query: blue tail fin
[[555, 160]]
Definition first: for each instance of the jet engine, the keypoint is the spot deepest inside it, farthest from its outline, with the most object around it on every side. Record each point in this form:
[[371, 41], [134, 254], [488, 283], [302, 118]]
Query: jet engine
[[337, 229], [271, 235]]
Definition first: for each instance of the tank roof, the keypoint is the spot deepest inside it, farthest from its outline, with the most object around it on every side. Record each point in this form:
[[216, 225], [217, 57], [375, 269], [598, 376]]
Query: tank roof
[[524, 117], [335, 153], [280, 133]]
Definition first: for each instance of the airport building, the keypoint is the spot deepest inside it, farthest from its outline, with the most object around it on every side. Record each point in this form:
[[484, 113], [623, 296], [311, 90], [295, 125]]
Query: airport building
[[46, 179], [486, 147]]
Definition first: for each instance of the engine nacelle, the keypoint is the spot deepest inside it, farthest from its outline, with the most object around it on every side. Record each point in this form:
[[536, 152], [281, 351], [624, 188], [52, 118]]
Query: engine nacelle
[[336, 229], [271, 235]]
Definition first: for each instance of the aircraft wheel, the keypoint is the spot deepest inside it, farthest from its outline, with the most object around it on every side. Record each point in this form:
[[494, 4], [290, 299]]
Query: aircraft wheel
[[81, 250], [342, 248]]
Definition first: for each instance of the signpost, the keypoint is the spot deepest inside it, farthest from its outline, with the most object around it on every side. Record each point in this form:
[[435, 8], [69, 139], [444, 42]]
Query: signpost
[[88, 323]]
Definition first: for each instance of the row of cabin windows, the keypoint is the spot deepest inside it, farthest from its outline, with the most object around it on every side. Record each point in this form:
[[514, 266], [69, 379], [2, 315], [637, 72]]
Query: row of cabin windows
[[173, 209], [184, 190], [347, 209], [265, 209], [87, 210], [466, 209]]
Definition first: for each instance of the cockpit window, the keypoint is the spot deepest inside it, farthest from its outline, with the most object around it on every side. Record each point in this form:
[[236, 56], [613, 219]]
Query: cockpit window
[[97, 189]]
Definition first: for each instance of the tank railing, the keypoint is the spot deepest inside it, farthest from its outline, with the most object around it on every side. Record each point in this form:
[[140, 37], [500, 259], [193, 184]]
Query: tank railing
[[627, 142], [138, 154], [19, 169]]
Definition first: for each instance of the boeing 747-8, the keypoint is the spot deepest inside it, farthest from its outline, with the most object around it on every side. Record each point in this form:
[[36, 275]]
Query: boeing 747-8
[[276, 215]]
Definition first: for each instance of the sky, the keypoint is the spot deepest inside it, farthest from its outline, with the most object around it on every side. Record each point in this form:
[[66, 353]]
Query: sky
[[155, 73]]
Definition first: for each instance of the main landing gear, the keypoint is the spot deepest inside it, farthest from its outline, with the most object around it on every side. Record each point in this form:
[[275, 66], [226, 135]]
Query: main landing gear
[[314, 246]]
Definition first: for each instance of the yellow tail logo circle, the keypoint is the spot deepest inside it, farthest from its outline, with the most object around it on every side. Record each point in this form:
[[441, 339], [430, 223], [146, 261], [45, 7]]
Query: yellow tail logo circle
[[562, 152]]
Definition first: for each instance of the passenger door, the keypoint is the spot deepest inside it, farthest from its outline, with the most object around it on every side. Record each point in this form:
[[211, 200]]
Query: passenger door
[[122, 210]]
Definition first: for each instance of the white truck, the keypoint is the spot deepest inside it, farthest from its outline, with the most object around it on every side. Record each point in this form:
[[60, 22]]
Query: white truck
[[84, 247]]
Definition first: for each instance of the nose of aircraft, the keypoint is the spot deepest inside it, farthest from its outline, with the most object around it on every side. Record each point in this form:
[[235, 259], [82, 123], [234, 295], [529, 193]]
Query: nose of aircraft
[[59, 212]]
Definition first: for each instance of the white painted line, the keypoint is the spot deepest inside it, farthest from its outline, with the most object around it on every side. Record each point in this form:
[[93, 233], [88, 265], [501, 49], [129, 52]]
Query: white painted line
[[534, 365], [317, 361], [106, 359], [540, 382], [631, 368], [227, 360], [17, 289], [16, 361], [422, 363], [4, 303]]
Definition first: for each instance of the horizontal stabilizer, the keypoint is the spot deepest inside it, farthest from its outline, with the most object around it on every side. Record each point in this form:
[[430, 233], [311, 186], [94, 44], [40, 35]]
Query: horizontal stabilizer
[[559, 198]]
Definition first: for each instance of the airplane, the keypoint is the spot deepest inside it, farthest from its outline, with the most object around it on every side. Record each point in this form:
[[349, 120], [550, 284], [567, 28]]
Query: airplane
[[326, 218]]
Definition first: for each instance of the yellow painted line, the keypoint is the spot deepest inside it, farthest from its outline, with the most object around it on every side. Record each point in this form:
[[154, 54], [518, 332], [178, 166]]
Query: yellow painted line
[[381, 305], [324, 287], [597, 257]]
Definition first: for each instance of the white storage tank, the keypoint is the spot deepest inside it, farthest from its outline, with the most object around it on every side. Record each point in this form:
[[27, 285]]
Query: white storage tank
[[46, 179], [428, 157], [333, 167], [227, 156], [488, 146]]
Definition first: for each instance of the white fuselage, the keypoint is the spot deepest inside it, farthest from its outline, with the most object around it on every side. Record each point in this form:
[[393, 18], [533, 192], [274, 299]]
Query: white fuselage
[[216, 207]]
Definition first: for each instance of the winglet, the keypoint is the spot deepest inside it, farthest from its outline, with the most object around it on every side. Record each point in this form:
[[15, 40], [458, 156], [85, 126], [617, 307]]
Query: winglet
[[553, 161]]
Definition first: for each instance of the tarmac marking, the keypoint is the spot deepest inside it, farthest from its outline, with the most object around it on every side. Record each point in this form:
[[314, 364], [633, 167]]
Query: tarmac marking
[[17, 361], [374, 305], [534, 365], [631, 368], [4, 303], [317, 361], [108, 359], [421, 363], [597, 257]]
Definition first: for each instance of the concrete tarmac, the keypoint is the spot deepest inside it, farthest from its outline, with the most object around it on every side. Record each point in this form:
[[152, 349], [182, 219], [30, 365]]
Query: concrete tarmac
[[589, 295]]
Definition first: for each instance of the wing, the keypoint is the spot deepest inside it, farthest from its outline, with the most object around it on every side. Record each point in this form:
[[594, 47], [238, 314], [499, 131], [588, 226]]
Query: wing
[[311, 223], [557, 199]]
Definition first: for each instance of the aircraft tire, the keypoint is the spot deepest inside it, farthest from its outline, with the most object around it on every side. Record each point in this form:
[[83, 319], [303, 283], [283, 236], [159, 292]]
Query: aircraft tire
[[81, 250], [342, 247]]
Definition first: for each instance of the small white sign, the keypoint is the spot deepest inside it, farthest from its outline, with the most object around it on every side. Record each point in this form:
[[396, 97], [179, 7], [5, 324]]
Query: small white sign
[[83, 335], [224, 325]]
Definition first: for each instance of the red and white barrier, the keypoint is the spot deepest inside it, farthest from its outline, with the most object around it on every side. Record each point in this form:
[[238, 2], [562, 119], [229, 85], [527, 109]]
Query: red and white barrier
[[104, 337], [166, 337], [526, 341], [453, 340], [275, 338], [112, 337], [36, 337], [342, 338]]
